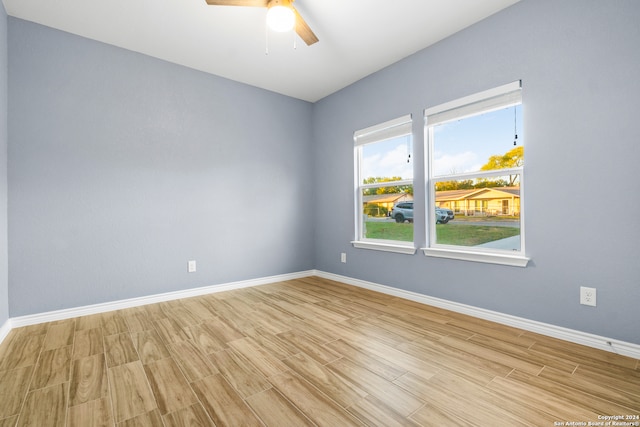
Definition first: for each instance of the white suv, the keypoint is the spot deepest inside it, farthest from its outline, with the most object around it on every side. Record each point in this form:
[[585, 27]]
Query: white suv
[[403, 211], [443, 215]]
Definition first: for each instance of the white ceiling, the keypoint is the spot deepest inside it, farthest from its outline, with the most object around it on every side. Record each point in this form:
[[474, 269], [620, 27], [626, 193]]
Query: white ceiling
[[357, 37]]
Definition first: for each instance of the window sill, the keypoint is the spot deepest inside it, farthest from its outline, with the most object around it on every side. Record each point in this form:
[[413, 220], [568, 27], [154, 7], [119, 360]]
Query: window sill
[[387, 247], [486, 257]]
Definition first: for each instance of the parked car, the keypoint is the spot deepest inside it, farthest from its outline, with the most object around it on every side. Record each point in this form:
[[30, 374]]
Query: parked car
[[403, 211], [444, 215]]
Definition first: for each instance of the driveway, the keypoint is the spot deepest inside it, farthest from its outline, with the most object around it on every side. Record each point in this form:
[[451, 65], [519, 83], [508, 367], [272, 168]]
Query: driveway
[[510, 244], [509, 223]]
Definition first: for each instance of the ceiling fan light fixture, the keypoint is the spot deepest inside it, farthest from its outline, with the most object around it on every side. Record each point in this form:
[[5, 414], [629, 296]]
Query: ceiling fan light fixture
[[280, 18]]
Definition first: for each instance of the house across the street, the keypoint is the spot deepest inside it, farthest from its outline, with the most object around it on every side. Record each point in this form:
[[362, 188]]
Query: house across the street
[[382, 204], [490, 201], [481, 201]]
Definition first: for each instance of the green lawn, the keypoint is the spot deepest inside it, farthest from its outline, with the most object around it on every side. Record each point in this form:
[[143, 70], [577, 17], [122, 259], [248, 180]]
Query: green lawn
[[448, 234], [472, 235], [390, 231]]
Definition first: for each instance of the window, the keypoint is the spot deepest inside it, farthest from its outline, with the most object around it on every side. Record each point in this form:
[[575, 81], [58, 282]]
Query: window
[[384, 187], [476, 170]]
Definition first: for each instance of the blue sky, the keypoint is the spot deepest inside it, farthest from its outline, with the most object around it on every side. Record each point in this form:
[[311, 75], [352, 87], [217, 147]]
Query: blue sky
[[388, 158], [465, 145], [460, 146]]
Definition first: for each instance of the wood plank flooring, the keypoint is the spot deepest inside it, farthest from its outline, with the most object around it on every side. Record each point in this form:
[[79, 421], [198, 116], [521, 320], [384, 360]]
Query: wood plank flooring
[[307, 352]]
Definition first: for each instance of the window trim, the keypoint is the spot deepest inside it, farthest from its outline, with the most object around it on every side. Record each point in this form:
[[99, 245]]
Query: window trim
[[477, 255], [385, 245], [395, 128], [478, 103]]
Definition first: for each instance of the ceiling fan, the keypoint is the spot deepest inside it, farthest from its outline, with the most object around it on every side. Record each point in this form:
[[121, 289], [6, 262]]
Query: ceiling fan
[[275, 6]]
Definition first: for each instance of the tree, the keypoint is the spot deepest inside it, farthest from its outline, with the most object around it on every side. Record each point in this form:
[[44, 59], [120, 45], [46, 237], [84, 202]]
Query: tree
[[511, 159], [454, 185], [408, 189]]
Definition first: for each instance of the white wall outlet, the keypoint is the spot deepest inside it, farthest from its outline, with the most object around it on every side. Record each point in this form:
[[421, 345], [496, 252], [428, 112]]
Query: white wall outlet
[[343, 257], [587, 296], [191, 266]]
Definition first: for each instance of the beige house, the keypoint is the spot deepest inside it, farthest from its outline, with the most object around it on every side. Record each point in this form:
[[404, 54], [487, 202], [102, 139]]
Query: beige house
[[481, 201], [381, 204]]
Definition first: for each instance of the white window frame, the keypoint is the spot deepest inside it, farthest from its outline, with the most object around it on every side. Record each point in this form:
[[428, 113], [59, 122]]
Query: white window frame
[[396, 128], [479, 103]]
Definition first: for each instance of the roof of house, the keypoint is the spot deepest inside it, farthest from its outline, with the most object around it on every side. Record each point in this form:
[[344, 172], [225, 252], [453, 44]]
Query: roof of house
[[386, 198], [473, 193]]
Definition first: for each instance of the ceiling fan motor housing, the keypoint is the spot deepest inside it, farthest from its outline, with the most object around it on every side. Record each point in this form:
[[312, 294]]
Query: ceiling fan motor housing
[[280, 15], [301, 27]]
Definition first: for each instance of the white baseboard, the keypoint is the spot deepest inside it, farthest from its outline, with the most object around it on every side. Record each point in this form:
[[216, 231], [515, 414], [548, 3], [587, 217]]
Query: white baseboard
[[5, 329], [578, 337], [151, 299]]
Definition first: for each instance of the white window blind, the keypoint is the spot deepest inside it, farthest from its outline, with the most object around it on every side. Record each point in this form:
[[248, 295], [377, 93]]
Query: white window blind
[[493, 99], [387, 130]]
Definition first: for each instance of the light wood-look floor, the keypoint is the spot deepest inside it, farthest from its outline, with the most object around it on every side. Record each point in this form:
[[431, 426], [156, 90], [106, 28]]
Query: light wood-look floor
[[298, 353]]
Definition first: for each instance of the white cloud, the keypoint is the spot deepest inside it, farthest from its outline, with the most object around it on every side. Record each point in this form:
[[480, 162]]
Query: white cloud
[[444, 164], [388, 164]]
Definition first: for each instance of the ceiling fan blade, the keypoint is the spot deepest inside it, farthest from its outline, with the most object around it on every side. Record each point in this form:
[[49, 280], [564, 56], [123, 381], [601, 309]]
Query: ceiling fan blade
[[303, 30], [254, 3]]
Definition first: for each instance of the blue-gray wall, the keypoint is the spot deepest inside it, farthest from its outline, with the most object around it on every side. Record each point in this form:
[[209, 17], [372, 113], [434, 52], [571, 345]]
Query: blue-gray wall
[[579, 62], [4, 284], [123, 167]]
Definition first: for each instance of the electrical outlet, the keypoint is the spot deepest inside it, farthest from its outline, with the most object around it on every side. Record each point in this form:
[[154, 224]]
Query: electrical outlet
[[343, 257], [191, 266], [587, 296]]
